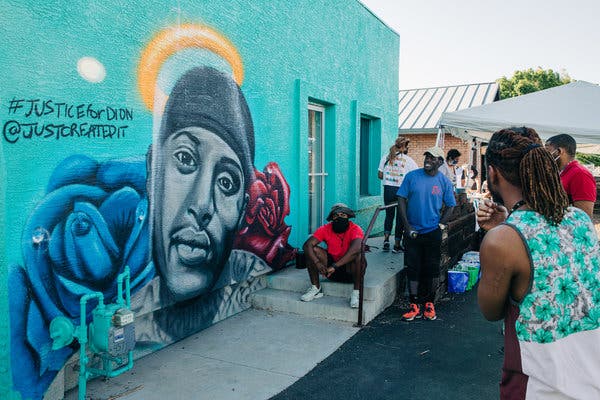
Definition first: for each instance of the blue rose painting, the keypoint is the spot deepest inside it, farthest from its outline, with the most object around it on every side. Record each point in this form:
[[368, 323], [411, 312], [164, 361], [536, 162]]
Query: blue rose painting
[[88, 227]]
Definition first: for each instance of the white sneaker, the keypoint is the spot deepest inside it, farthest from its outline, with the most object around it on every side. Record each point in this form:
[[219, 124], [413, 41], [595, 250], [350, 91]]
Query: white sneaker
[[354, 299], [312, 293]]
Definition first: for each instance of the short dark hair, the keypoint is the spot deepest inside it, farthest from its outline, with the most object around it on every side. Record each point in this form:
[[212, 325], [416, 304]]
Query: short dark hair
[[564, 141], [452, 153]]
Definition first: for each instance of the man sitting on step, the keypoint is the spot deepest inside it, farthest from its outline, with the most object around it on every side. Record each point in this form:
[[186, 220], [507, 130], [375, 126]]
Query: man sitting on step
[[341, 261]]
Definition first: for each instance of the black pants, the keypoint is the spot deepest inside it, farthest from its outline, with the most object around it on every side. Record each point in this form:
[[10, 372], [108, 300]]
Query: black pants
[[389, 197], [340, 274], [422, 259]]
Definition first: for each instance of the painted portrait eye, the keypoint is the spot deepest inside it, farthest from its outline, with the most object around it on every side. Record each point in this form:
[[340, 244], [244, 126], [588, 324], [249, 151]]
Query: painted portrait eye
[[185, 161], [228, 184]]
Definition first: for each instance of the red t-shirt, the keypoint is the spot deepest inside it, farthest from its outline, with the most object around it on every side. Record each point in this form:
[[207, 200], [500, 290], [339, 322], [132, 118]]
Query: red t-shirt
[[579, 183], [338, 243]]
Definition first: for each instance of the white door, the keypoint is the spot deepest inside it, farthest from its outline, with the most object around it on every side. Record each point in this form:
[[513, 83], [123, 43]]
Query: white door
[[316, 166]]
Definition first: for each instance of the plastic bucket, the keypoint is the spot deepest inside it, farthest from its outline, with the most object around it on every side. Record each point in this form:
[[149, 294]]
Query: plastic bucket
[[473, 276], [457, 281]]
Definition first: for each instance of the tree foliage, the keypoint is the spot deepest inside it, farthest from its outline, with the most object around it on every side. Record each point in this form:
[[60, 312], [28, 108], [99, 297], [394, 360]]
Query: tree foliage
[[529, 81], [588, 158]]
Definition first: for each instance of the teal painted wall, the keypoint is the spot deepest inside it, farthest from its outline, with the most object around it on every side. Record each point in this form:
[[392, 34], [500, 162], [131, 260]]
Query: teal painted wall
[[334, 52], [4, 328]]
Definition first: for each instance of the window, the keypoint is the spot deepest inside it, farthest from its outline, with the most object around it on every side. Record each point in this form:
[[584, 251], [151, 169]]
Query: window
[[370, 144]]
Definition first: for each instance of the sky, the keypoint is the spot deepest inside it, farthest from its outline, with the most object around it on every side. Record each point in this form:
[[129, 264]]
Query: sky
[[445, 43]]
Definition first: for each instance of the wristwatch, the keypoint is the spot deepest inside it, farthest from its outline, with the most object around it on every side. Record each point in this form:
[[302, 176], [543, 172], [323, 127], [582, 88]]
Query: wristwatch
[[334, 266]]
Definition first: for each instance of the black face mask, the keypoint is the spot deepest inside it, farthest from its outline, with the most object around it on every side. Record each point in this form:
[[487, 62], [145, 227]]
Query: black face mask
[[340, 225]]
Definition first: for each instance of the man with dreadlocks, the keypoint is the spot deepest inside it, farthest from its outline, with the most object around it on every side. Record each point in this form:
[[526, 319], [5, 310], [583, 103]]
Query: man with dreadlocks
[[541, 273]]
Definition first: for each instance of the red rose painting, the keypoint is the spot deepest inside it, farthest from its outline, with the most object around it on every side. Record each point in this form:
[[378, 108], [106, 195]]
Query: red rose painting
[[265, 232]]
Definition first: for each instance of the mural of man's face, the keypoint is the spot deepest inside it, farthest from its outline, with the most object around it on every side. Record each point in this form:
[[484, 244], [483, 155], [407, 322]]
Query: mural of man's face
[[199, 210]]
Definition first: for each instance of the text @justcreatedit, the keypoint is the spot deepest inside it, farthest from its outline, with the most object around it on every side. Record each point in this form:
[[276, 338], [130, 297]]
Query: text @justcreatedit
[[45, 119]]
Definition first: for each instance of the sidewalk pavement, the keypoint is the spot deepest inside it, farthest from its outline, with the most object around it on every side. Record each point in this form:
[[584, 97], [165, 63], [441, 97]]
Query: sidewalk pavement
[[258, 354], [252, 355], [457, 356]]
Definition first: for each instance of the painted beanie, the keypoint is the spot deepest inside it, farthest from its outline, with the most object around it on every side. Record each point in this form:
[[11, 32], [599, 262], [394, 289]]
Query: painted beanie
[[210, 99]]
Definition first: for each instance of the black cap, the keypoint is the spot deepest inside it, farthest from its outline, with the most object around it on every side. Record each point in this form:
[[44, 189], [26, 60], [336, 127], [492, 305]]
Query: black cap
[[340, 207]]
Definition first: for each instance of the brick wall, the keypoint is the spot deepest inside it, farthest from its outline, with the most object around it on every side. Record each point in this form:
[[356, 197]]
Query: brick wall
[[421, 142]]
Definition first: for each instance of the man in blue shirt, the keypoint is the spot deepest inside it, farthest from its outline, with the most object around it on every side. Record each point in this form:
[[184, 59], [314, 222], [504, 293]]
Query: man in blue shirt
[[420, 200]]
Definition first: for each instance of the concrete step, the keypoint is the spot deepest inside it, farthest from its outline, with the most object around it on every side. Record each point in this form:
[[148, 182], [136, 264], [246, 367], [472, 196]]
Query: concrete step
[[327, 307], [381, 271], [383, 280]]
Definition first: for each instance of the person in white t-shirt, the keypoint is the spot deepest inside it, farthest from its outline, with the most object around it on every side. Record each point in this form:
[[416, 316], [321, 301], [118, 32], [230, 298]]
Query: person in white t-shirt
[[392, 169], [451, 169]]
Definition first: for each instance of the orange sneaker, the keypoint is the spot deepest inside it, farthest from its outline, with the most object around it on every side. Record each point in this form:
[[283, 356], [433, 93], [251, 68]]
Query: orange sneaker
[[429, 312], [414, 312]]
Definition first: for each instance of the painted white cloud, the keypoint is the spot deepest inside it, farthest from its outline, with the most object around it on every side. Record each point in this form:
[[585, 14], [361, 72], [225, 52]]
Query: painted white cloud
[[91, 69]]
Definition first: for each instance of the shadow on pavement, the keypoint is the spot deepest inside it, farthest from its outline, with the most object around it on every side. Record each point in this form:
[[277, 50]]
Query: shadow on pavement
[[457, 356]]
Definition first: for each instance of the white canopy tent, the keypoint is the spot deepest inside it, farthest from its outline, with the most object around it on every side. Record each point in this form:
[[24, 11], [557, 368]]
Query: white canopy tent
[[573, 108]]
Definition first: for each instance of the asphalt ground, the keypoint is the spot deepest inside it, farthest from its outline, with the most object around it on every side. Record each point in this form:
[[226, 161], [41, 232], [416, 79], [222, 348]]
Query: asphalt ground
[[457, 356]]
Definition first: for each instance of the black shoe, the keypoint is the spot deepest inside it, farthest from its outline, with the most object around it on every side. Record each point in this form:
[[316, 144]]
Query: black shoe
[[386, 246], [398, 249]]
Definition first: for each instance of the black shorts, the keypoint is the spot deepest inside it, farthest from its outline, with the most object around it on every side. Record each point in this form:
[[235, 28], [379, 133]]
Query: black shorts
[[340, 274]]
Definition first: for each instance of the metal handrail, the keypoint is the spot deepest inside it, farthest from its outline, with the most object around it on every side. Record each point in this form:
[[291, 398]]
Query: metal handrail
[[361, 276]]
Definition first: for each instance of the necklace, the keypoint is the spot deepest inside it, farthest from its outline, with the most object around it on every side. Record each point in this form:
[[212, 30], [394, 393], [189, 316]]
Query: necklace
[[340, 236], [517, 205]]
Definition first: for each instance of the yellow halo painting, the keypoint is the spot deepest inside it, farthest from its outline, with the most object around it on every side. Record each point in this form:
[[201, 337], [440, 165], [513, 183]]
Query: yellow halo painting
[[173, 39]]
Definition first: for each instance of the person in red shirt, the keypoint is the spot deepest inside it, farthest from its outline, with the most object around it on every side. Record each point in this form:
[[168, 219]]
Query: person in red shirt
[[578, 181], [341, 261]]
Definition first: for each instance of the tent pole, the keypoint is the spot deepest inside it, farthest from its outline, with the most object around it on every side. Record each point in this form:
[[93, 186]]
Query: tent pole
[[439, 141]]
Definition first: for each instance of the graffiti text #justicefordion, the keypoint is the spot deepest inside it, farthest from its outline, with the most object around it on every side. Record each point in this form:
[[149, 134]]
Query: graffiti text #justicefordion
[[14, 130], [27, 125], [48, 108]]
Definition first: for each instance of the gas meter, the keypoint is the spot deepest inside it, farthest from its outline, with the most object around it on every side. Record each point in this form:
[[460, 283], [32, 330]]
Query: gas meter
[[111, 334]]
